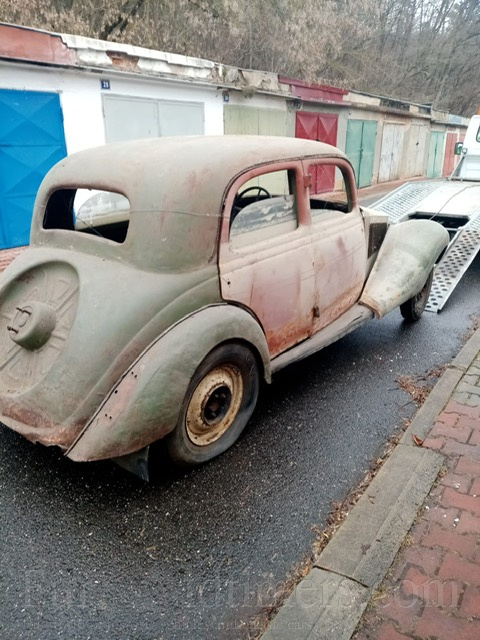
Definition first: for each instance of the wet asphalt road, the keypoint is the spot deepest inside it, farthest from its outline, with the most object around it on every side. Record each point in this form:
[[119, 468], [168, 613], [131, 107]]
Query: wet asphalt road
[[87, 551]]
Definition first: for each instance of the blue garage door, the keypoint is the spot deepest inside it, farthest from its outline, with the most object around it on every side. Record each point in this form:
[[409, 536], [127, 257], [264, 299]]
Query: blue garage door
[[31, 141]]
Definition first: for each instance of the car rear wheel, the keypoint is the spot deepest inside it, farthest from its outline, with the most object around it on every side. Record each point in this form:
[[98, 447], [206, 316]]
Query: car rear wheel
[[413, 308], [219, 401]]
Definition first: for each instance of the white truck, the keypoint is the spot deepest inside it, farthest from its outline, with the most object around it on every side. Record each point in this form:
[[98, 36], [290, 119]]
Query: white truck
[[455, 203]]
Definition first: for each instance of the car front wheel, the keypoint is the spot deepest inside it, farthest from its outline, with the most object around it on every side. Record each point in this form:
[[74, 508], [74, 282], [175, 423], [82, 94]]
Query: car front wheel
[[219, 401], [413, 308]]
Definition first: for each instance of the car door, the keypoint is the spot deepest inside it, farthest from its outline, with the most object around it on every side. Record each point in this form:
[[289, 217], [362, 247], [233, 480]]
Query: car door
[[265, 257], [338, 241]]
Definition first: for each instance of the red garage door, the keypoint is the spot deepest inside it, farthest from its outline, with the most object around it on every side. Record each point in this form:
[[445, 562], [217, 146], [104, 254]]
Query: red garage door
[[322, 127], [449, 160]]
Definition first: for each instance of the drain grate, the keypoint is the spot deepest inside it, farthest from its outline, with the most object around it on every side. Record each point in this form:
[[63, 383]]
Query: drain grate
[[405, 199]]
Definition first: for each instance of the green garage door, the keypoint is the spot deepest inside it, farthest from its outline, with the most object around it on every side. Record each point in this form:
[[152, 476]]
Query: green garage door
[[360, 148], [435, 154]]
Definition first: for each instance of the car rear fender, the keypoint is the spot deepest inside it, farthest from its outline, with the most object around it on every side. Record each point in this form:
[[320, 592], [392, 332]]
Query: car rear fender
[[145, 403], [407, 255]]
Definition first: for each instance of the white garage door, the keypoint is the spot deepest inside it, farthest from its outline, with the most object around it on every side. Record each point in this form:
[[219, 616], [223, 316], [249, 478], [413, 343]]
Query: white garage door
[[127, 118], [392, 152]]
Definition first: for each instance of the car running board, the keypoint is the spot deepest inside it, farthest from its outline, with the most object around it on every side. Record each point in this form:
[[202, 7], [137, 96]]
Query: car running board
[[349, 321]]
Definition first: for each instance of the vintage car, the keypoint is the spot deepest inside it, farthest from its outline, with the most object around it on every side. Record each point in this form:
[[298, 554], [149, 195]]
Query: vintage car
[[167, 277]]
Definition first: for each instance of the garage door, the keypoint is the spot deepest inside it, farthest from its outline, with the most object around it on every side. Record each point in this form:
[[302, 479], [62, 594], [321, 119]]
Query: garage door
[[392, 152], [323, 127], [449, 160], [128, 118], [360, 148], [415, 151], [239, 120], [435, 154], [32, 140]]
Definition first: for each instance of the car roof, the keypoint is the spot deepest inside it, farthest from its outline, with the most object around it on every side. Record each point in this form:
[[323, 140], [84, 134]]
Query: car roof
[[183, 173], [164, 178]]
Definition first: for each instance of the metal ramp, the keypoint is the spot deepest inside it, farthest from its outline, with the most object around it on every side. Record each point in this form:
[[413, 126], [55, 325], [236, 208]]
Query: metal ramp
[[462, 249], [458, 257], [405, 199]]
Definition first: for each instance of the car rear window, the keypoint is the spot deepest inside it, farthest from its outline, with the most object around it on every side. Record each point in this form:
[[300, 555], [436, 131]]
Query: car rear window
[[104, 214]]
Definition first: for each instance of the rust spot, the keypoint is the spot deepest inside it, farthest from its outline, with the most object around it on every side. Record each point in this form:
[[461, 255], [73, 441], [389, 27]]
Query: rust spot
[[280, 340], [8, 255], [34, 426], [21, 43]]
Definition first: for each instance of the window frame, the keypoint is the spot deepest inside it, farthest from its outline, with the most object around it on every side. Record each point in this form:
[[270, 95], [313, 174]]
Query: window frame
[[349, 181], [60, 215], [303, 216]]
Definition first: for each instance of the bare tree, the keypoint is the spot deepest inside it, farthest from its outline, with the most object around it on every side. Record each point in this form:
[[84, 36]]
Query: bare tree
[[419, 50]]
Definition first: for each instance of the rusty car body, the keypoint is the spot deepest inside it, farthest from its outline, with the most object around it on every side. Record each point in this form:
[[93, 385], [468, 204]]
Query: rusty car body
[[165, 278]]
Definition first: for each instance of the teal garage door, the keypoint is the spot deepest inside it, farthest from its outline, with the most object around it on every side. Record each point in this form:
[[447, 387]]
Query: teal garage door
[[435, 154], [360, 148], [32, 140]]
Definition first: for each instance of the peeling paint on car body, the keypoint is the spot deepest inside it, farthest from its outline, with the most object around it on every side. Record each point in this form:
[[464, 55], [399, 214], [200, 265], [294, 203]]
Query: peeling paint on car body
[[100, 337], [404, 261]]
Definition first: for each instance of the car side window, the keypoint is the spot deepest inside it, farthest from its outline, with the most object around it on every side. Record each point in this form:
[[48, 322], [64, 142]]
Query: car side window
[[328, 193], [263, 208], [102, 214]]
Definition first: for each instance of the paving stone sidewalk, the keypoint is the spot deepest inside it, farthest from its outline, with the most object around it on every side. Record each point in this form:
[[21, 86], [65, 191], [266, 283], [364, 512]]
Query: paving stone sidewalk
[[432, 591], [405, 564]]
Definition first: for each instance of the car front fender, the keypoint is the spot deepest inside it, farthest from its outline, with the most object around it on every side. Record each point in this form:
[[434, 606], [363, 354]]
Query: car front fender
[[145, 403], [407, 255]]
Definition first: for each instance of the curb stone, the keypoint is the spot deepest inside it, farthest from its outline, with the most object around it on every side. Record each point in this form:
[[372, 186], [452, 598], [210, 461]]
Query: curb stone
[[329, 602], [437, 399]]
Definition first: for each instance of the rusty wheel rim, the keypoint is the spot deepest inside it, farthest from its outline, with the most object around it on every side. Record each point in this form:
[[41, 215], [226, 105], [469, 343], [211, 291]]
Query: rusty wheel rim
[[421, 299], [214, 405]]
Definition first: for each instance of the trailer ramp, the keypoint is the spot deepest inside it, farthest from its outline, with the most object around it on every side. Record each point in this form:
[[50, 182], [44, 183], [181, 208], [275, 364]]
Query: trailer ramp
[[458, 257], [413, 198], [405, 199]]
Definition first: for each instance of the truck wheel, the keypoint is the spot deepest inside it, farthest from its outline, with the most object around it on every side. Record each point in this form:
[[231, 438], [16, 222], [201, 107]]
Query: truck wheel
[[413, 308], [219, 401]]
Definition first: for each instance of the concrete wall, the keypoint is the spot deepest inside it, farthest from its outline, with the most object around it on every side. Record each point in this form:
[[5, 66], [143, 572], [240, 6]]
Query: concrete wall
[[81, 98]]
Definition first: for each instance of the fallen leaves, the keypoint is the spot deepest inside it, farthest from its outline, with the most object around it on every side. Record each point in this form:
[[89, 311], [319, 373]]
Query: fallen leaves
[[419, 387], [418, 392], [418, 441]]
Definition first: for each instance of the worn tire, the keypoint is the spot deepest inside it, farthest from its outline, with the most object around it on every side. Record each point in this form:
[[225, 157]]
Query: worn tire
[[219, 401], [413, 308]]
